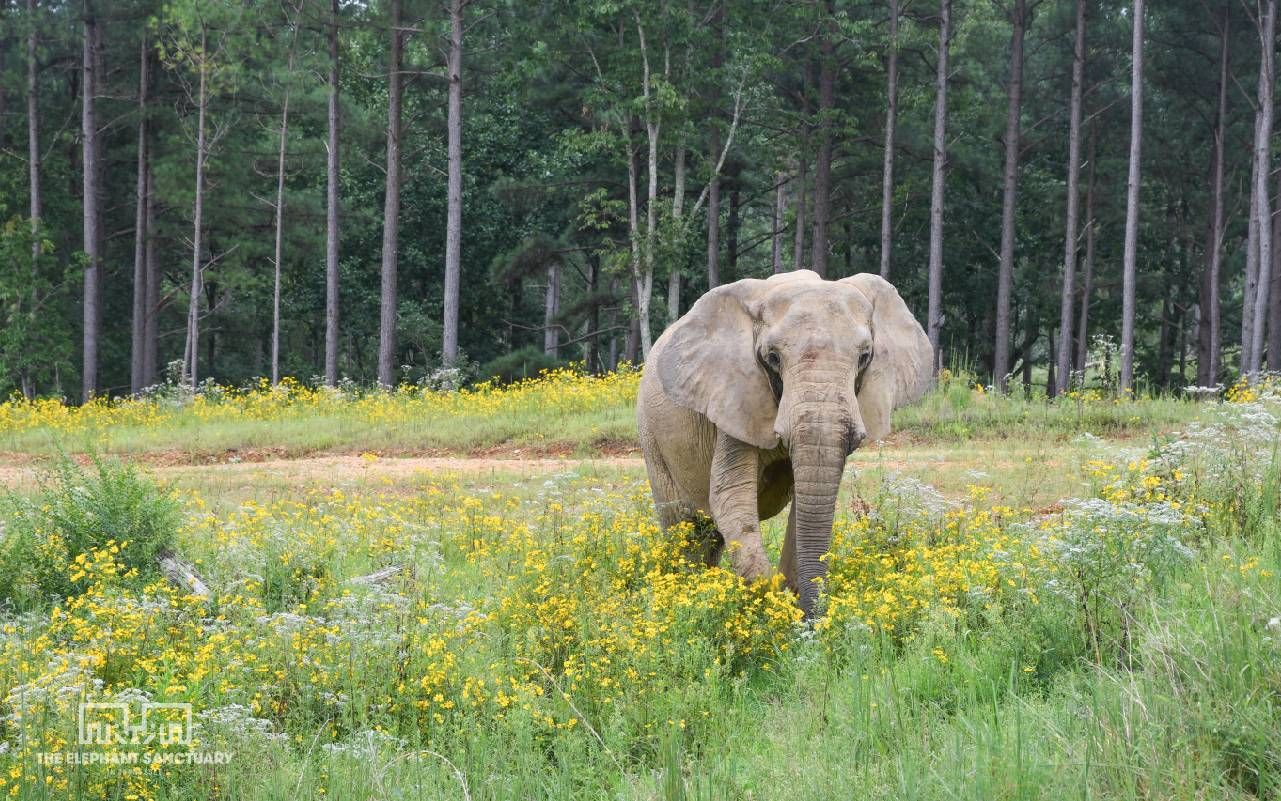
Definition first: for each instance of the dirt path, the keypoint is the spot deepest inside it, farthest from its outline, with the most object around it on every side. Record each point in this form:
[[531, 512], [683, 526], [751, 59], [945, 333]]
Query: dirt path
[[1025, 476], [21, 470], [17, 469]]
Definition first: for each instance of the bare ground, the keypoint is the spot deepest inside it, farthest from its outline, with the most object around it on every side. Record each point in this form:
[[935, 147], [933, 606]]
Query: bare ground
[[21, 469], [17, 470]]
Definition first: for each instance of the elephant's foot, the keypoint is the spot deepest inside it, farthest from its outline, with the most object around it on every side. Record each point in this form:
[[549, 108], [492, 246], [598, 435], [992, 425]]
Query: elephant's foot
[[707, 550], [748, 557]]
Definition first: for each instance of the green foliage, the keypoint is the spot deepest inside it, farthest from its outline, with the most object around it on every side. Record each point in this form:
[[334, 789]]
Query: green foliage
[[524, 363], [34, 341], [77, 512], [554, 110], [961, 408], [1113, 555]]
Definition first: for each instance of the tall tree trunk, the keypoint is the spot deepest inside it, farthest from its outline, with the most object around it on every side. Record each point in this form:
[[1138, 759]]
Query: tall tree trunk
[[331, 209], [713, 156], [454, 196], [1009, 201], [591, 342], [1064, 373], [1262, 172], [1032, 330], [151, 320], [887, 166], [1183, 346], [1274, 290], [33, 166], [551, 308], [821, 245], [678, 209], [391, 209], [646, 285], [1250, 286], [280, 224], [798, 242], [137, 369], [4, 90], [211, 342], [713, 213], [780, 209], [733, 225], [1164, 346], [191, 357], [1087, 280], [631, 351], [935, 315], [848, 248], [1051, 380], [33, 132], [634, 254], [1205, 290], [653, 124], [515, 293], [1130, 258], [92, 234], [1209, 345]]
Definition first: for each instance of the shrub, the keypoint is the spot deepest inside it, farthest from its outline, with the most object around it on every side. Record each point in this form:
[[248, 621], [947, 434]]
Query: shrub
[[520, 364], [76, 513], [1109, 556]]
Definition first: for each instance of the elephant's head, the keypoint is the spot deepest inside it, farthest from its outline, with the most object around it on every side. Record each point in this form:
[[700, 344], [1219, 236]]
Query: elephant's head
[[816, 365]]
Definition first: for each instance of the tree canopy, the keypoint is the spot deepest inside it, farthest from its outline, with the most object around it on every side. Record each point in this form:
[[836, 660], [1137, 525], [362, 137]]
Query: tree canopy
[[615, 159]]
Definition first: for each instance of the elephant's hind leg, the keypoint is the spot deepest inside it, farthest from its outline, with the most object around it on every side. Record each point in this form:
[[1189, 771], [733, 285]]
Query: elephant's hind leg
[[706, 542], [787, 559]]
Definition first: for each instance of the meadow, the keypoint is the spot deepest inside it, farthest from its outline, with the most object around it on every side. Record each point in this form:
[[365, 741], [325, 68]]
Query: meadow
[[1075, 598], [561, 412]]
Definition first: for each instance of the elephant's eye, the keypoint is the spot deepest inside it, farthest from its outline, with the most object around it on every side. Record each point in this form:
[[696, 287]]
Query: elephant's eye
[[864, 359], [772, 359]]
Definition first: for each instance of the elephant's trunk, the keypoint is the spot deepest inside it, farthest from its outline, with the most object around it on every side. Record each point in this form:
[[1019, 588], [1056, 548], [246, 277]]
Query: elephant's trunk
[[822, 435]]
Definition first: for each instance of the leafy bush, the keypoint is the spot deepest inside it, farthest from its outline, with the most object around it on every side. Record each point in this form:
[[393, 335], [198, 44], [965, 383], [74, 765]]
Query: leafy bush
[[76, 513], [527, 362], [1109, 556]]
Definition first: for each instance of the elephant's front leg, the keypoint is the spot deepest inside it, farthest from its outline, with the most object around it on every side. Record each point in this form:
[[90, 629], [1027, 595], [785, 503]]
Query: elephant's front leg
[[732, 497]]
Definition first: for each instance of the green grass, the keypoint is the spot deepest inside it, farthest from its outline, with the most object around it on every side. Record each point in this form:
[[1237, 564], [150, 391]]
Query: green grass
[[197, 440], [956, 413], [953, 414], [1190, 713], [1181, 699], [1189, 710]]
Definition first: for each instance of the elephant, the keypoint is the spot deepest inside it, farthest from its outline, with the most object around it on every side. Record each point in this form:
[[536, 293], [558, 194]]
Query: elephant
[[756, 396]]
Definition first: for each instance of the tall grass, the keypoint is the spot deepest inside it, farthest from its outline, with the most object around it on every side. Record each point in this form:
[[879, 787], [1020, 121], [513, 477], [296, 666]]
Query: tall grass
[[1124, 646], [958, 409], [559, 409]]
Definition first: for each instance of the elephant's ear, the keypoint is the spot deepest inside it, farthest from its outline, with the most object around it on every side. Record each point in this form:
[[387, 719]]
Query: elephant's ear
[[707, 362], [902, 361]]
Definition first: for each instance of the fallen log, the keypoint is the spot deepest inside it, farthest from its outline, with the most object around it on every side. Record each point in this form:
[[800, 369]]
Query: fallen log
[[183, 575], [378, 576]]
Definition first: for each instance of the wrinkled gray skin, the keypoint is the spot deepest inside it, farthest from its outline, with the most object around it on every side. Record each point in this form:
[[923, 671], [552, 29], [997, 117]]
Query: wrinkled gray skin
[[756, 397]]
